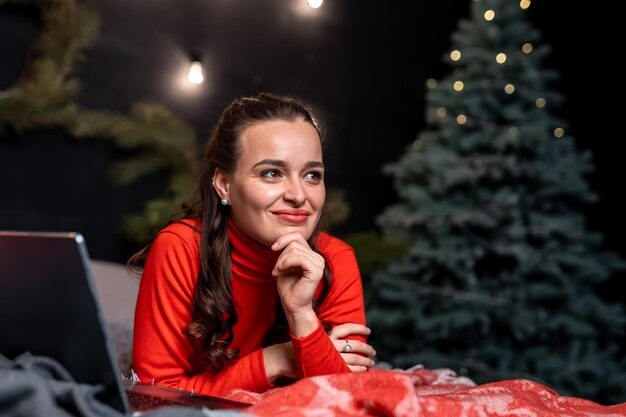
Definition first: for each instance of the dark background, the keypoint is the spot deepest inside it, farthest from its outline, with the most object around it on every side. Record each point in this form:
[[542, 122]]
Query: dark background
[[361, 64]]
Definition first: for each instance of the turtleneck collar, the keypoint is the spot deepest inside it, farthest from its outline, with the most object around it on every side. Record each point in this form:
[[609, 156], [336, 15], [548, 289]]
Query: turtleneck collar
[[249, 257]]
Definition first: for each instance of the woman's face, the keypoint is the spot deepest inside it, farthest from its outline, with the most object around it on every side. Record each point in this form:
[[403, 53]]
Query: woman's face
[[278, 183]]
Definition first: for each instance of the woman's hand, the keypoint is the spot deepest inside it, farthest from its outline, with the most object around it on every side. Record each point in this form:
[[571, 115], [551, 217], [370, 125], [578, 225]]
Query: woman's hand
[[299, 270], [353, 355], [280, 361]]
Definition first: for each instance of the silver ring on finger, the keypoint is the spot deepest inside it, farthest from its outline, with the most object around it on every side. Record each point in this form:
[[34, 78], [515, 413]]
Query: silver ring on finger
[[347, 348]]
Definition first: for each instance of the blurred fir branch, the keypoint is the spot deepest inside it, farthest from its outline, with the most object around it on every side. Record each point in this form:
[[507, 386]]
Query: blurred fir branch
[[164, 142], [46, 95], [374, 253], [336, 208]]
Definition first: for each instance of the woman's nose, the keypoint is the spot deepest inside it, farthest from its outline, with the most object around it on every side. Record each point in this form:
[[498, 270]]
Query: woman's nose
[[294, 192]]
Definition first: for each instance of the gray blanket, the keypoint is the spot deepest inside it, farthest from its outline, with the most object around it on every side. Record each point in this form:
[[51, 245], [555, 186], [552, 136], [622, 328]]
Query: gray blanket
[[34, 386]]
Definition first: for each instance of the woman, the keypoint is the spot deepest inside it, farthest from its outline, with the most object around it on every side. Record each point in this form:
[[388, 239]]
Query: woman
[[245, 291]]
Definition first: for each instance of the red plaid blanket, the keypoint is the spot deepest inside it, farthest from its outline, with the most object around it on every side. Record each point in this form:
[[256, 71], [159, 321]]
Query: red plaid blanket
[[418, 392]]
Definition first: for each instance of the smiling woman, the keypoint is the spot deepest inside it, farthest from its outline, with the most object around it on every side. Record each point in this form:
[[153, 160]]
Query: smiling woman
[[246, 292]]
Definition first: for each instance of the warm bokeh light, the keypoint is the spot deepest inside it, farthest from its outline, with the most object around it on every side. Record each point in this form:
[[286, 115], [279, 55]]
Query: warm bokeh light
[[315, 4], [509, 88], [431, 83], [309, 9], [461, 119], [514, 131], [418, 145], [196, 73], [489, 15], [501, 58], [524, 4], [458, 85], [559, 132], [540, 102], [527, 48], [455, 55], [442, 112], [180, 88]]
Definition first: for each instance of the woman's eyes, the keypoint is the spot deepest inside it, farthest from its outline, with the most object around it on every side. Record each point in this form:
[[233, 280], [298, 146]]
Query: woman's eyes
[[312, 176], [271, 173]]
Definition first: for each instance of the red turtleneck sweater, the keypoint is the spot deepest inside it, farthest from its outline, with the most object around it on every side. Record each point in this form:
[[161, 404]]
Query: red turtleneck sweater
[[165, 355]]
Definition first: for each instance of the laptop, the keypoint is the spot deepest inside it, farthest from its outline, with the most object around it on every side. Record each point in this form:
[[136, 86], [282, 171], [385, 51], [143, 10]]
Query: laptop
[[47, 287]]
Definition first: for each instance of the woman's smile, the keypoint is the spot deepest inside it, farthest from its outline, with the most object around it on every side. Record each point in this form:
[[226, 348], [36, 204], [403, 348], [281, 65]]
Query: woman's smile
[[292, 215]]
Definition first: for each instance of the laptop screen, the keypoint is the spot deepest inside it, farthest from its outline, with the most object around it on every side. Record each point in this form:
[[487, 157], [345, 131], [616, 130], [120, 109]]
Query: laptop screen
[[49, 307]]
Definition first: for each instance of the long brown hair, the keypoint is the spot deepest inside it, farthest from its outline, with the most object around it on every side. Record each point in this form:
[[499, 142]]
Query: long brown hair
[[214, 313]]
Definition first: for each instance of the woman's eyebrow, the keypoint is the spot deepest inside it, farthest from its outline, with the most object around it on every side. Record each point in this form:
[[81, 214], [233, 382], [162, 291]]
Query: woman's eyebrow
[[273, 162], [314, 164], [280, 163]]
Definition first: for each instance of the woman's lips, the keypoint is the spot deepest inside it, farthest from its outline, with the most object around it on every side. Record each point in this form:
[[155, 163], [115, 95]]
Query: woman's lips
[[292, 216]]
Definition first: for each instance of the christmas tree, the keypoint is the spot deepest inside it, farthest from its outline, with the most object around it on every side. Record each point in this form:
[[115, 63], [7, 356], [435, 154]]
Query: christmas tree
[[500, 278]]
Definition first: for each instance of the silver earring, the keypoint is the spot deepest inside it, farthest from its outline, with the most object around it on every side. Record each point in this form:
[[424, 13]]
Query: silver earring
[[224, 201]]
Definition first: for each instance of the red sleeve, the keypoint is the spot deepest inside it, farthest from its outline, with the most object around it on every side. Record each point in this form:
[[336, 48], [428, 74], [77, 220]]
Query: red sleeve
[[163, 353], [315, 353]]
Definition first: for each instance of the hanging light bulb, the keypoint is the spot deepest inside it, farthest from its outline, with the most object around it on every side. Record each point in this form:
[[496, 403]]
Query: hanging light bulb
[[315, 4], [196, 71]]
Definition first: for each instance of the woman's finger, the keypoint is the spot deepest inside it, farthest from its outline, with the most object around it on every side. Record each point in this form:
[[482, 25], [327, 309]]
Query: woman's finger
[[353, 347], [311, 267], [357, 360], [344, 330], [282, 242], [358, 368]]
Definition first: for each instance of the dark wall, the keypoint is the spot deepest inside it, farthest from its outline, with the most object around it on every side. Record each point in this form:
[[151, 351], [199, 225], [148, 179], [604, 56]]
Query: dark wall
[[361, 64]]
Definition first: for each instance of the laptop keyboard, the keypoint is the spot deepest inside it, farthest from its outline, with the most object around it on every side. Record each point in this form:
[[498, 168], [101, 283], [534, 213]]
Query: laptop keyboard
[[144, 397], [142, 402]]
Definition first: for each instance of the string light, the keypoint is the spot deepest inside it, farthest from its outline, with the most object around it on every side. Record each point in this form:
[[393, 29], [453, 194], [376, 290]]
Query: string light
[[501, 58], [418, 145], [540, 102], [315, 4], [489, 15], [558, 132], [458, 85], [461, 119], [509, 88], [196, 72], [527, 48], [455, 55], [441, 112], [431, 83], [524, 4]]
